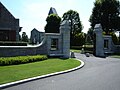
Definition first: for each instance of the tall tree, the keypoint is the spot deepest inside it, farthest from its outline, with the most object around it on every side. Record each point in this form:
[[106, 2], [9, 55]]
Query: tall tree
[[90, 36], [79, 39], [24, 37], [53, 24], [76, 26], [106, 12]]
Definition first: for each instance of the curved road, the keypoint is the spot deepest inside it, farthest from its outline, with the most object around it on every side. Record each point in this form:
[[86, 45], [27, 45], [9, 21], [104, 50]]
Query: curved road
[[97, 74]]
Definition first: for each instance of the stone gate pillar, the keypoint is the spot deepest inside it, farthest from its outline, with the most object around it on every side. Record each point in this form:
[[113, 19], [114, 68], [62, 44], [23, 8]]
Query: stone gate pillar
[[65, 32], [99, 42]]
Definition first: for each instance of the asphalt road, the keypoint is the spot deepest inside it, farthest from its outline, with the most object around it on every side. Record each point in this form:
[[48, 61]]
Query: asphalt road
[[97, 74]]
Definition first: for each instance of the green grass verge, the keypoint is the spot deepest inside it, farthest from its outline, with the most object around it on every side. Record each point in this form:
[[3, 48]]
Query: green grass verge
[[115, 56], [74, 50], [23, 71]]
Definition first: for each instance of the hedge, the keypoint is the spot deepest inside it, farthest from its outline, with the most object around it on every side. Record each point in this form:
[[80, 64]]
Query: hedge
[[88, 48], [76, 47], [6, 43], [21, 59]]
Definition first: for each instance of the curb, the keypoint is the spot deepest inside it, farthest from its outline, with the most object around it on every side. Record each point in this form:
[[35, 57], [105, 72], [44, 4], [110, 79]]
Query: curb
[[40, 77]]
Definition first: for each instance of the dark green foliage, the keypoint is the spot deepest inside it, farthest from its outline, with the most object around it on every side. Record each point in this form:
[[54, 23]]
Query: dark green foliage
[[73, 16], [88, 48], [21, 59], [76, 26], [24, 37], [79, 39], [76, 47], [106, 12], [90, 34], [53, 24], [114, 38], [12, 43]]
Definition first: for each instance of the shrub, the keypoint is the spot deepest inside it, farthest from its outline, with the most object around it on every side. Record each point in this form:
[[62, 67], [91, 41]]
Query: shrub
[[2, 43], [21, 59], [76, 47], [88, 48]]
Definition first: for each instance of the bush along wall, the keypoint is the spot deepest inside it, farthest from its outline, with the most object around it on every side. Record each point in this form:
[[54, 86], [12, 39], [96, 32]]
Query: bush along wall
[[12, 43], [21, 59], [76, 47], [88, 49]]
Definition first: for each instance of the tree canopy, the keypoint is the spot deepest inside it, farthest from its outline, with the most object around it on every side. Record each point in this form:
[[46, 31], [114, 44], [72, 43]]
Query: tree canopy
[[106, 12], [53, 23], [24, 37], [73, 16], [76, 26]]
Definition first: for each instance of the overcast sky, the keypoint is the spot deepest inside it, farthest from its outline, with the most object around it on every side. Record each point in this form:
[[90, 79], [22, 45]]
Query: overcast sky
[[33, 13]]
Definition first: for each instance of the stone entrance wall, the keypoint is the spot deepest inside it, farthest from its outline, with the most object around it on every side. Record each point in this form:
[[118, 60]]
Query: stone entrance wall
[[104, 44], [63, 44], [8, 51]]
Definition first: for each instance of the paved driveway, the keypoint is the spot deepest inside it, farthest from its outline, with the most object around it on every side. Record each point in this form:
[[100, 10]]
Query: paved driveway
[[97, 74]]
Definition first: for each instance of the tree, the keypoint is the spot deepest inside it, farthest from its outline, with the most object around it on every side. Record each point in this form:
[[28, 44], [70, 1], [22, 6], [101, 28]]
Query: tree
[[76, 26], [20, 37], [105, 12], [79, 39], [114, 38], [90, 33], [24, 37], [53, 24]]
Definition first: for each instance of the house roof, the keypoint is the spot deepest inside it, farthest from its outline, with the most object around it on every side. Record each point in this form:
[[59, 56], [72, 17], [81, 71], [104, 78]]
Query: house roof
[[4, 8], [52, 11], [35, 30]]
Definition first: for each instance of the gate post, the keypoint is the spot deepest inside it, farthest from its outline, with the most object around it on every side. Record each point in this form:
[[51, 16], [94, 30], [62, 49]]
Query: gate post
[[65, 32], [99, 41]]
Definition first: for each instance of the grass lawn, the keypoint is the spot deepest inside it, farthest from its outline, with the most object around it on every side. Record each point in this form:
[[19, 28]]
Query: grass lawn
[[115, 56], [75, 50], [23, 71]]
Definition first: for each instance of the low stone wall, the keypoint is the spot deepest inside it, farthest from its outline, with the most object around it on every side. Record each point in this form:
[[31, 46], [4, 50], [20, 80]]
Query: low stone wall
[[104, 44], [7, 51], [62, 45], [116, 48]]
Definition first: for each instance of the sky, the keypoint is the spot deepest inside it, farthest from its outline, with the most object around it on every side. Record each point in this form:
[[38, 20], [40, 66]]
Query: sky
[[33, 13]]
